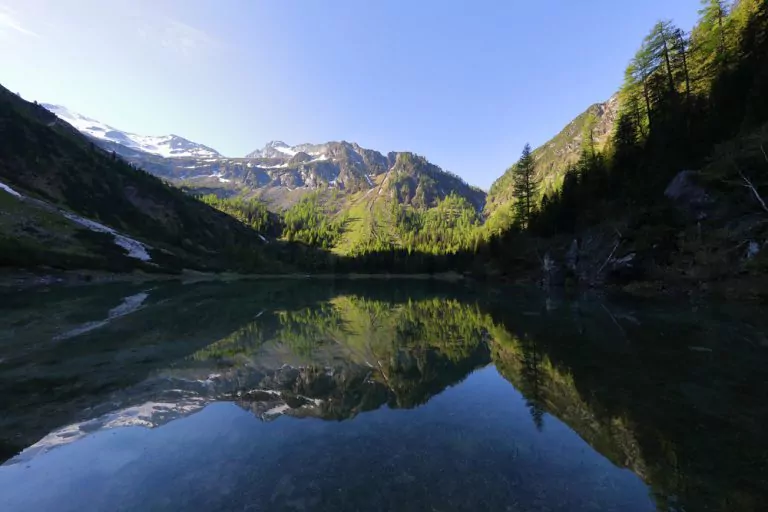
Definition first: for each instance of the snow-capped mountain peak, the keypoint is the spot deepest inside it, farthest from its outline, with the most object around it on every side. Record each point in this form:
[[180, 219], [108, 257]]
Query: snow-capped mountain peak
[[274, 149], [168, 146], [279, 149]]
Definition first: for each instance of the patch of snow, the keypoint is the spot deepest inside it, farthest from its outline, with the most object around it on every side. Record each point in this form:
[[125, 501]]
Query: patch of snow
[[320, 158], [134, 248], [263, 239], [368, 179], [267, 391], [285, 150], [219, 176], [10, 190]]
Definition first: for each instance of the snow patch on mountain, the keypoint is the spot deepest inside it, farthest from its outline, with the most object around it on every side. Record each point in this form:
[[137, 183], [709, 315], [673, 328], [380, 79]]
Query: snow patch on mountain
[[8, 189], [134, 248], [286, 151], [167, 146], [220, 176]]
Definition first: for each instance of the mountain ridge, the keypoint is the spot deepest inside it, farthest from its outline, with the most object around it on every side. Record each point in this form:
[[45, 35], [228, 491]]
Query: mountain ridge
[[67, 204], [278, 174], [169, 146]]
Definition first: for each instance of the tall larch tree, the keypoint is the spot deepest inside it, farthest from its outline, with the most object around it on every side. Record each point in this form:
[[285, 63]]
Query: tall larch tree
[[659, 43]]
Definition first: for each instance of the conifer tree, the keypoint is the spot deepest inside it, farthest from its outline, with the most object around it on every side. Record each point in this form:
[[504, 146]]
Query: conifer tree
[[658, 43], [711, 37], [525, 187]]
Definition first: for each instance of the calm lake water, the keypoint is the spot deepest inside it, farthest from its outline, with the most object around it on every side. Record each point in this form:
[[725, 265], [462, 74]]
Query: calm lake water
[[407, 395]]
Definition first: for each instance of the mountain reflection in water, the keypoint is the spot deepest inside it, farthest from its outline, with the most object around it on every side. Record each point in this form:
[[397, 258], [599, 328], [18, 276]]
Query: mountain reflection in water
[[612, 406]]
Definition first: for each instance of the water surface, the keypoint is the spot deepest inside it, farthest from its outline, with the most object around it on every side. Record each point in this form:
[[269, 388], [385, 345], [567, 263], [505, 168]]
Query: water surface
[[377, 396]]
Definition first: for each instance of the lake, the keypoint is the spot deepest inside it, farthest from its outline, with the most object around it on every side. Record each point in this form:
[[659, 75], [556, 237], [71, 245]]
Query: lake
[[360, 395]]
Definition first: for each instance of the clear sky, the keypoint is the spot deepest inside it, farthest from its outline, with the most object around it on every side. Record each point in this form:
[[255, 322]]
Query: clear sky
[[464, 83]]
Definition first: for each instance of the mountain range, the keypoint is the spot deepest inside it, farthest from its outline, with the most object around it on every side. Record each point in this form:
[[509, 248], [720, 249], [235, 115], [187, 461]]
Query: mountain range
[[66, 174], [280, 174]]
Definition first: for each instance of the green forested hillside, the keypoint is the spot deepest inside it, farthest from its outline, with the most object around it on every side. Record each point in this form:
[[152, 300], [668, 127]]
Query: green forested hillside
[[554, 157], [690, 102], [683, 97]]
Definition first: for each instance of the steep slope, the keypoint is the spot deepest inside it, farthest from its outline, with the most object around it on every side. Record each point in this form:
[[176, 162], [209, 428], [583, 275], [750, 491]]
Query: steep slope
[[414, 181], [555, 156], [69, 204]]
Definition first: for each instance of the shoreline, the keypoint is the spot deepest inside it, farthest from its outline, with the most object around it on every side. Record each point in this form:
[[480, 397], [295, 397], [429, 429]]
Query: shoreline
[[24, 280], [741, 289]]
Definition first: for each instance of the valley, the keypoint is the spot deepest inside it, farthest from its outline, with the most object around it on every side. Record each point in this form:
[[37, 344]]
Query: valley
[[193, 319], [658, 188]]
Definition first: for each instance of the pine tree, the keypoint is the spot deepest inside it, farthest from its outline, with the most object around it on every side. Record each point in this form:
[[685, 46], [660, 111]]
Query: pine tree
[[525, 187]]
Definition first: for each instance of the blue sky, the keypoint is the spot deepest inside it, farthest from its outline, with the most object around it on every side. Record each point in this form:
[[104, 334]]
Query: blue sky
[[464, 83]]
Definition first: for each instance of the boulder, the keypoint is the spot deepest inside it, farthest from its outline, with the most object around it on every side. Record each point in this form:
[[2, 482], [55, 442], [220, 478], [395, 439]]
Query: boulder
[[688, 194]]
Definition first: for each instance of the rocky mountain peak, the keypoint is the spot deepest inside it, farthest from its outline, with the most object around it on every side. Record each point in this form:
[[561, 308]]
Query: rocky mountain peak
[[167, 146]]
